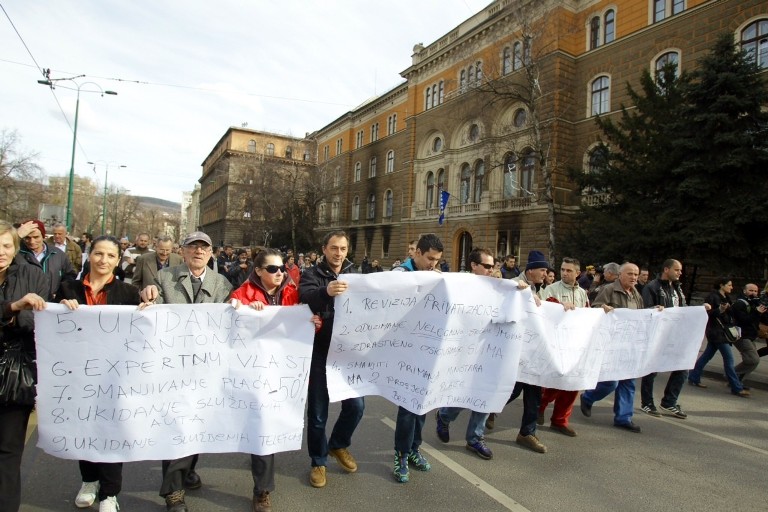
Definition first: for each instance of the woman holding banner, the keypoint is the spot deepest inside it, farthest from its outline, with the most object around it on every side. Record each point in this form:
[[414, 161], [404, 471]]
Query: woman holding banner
[[268, 285], [100, 288], [22, 288]]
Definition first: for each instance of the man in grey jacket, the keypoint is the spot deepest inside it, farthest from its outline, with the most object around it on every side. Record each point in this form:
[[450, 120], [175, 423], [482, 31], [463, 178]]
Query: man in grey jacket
[[188, 283]]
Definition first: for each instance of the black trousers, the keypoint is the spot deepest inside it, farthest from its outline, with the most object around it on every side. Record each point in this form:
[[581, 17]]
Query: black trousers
[[174, 473], [108, 474], [13, 430], [531, 402], [263, 472]]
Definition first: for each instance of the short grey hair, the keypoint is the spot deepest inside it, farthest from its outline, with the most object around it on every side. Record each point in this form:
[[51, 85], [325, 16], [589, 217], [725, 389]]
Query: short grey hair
[[164, 238], [611, 267]]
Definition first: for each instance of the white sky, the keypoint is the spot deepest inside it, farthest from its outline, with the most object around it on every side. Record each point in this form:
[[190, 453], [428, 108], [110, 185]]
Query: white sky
[[285, 66]]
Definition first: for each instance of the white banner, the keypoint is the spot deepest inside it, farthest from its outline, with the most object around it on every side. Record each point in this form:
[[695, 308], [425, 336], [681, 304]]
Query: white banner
[[118, 384], [425, 340]]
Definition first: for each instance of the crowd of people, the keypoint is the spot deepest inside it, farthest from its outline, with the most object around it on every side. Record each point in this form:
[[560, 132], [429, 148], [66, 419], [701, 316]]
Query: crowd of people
[[107, 271]]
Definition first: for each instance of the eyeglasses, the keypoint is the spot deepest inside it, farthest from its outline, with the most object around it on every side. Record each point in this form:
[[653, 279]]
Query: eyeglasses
[[486, 266], [197, 247], [272, 269]]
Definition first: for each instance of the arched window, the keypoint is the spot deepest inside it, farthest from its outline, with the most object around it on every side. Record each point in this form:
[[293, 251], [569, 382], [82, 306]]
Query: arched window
[[251, 146], [430, 199], [437, 145], [597, 163], [474, 133], [358, 170], [479, 175], [600, 95], [754, 42], [527, 168], [336, 176], [356, 208], [441, 93], [270, 151], [288, 152], [609, 30], [510, 176], [465, 191], [440, 183], [390, 161], [479, 67], [335, 210], [388, 204], [520, 118], [372, 206], [372, 167], [471, 74], [429, 98], [594, 33], [463, 80], [517, 50], [321, 213], [664, 61], [506, 61]]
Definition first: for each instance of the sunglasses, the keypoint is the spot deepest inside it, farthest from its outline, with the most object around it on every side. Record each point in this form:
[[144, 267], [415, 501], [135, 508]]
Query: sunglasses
[[272, 269], [486, 266]]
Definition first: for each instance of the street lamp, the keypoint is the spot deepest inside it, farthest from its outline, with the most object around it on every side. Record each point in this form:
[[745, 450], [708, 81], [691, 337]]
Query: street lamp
[[70, 191], [104, 203]]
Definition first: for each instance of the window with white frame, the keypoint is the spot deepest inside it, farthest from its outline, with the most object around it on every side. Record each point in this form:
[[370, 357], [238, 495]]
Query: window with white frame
[[441, 177], [251, 146], [336, 176], [465, 188], [335, 210], [372, 167], [270, 149], [391, 124], [374, 132], [479, 176], [600, 97], [430, 198], [510, 176], [663, 9], [667, 61], [506, 61], [326, 152], [321, 213], [609, 26], [359, 139], [527, 168], [390, 161], [338, 146], [372, 206], [358, 171], [356, 208], [754, 42], [388, 204], [517, 55], [594, 32]]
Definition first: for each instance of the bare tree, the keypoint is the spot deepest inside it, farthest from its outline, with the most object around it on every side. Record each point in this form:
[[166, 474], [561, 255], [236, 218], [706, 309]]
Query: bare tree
[[21, 180]]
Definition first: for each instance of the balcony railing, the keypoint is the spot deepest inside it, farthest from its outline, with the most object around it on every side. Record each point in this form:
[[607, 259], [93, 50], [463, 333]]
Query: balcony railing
[[511, 204]]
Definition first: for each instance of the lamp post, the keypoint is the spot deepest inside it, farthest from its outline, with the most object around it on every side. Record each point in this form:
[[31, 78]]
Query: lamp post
[[104, 202], [71, 189]]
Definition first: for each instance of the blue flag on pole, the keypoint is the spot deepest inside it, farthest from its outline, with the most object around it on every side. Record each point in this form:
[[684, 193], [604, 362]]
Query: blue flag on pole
[[444, 196]]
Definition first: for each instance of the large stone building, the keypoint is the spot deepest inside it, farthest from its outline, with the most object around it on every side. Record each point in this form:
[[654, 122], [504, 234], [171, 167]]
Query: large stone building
[[496, 112]]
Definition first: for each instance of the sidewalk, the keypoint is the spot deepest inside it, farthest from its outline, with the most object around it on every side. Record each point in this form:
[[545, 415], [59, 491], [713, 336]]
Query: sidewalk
[[758, 379]]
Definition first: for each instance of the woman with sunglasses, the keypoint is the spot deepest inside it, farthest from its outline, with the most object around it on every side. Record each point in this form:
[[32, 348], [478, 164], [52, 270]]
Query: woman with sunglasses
[[268, 285], [99, 287]]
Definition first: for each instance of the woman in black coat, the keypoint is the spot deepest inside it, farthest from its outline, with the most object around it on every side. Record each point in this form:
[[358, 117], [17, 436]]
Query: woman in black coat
[[22, 288], [99, 287]]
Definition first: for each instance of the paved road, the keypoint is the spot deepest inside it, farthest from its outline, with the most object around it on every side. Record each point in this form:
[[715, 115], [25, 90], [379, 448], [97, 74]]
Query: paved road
[[714, 460]]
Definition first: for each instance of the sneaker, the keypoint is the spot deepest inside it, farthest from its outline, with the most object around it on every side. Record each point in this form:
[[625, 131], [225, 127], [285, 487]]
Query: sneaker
[[109, 504], [564, 429], [192, 480], [417, 460], [651, 410], [344, 458], [442, 428], [481, 449], [491, 421], [532, 442], [675, 410], [401, 468], [540, 419], [262, 503], [87, 494], [586, 410], [743, 393], [174, 502], [317, 476]]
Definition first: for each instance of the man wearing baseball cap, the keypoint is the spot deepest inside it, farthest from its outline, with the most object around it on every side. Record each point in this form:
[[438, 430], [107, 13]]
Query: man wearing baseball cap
[[188, 283]]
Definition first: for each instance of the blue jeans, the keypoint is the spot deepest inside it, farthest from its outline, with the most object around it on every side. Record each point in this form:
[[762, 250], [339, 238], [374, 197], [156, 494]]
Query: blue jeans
[[475, 425], [317, 417], [728, 365], [623, 402], [408, 429]]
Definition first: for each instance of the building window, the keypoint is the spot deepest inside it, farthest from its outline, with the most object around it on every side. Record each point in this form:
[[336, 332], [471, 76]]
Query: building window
[[390, 161], [321, 213], [527, 167], [326, 152], [506, 61], [358, 171], [374, 132], [359, 139], [338, 146], [337, 177], [392, 123], [474, 133], [356, 208], [251, 146], [517, 51], [510, 176], [388, 204], [465, 191], [663, 9], [479, 67], [288, 152], [428, 99], [597, 163], [437, 145], [754, 42], [609, 30], [479, 175], [372, 167], [440, 183], [430, 199], [600, 95], [594, 33], [335, 211], [434, 95], [520, 118], [463, 80], [662, 63], [372, 206], [471, 74], [306, 156], [527, 50], [270, 151]]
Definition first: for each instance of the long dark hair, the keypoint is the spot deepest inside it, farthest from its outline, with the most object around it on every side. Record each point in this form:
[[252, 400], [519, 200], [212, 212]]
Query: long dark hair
[[106, 238]]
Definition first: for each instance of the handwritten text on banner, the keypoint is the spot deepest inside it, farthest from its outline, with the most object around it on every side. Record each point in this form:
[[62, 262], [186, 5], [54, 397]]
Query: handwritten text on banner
[[118, 384]]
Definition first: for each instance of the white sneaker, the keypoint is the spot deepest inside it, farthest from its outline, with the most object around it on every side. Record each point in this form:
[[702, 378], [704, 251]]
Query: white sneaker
[[109, 505], [87, 494]]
